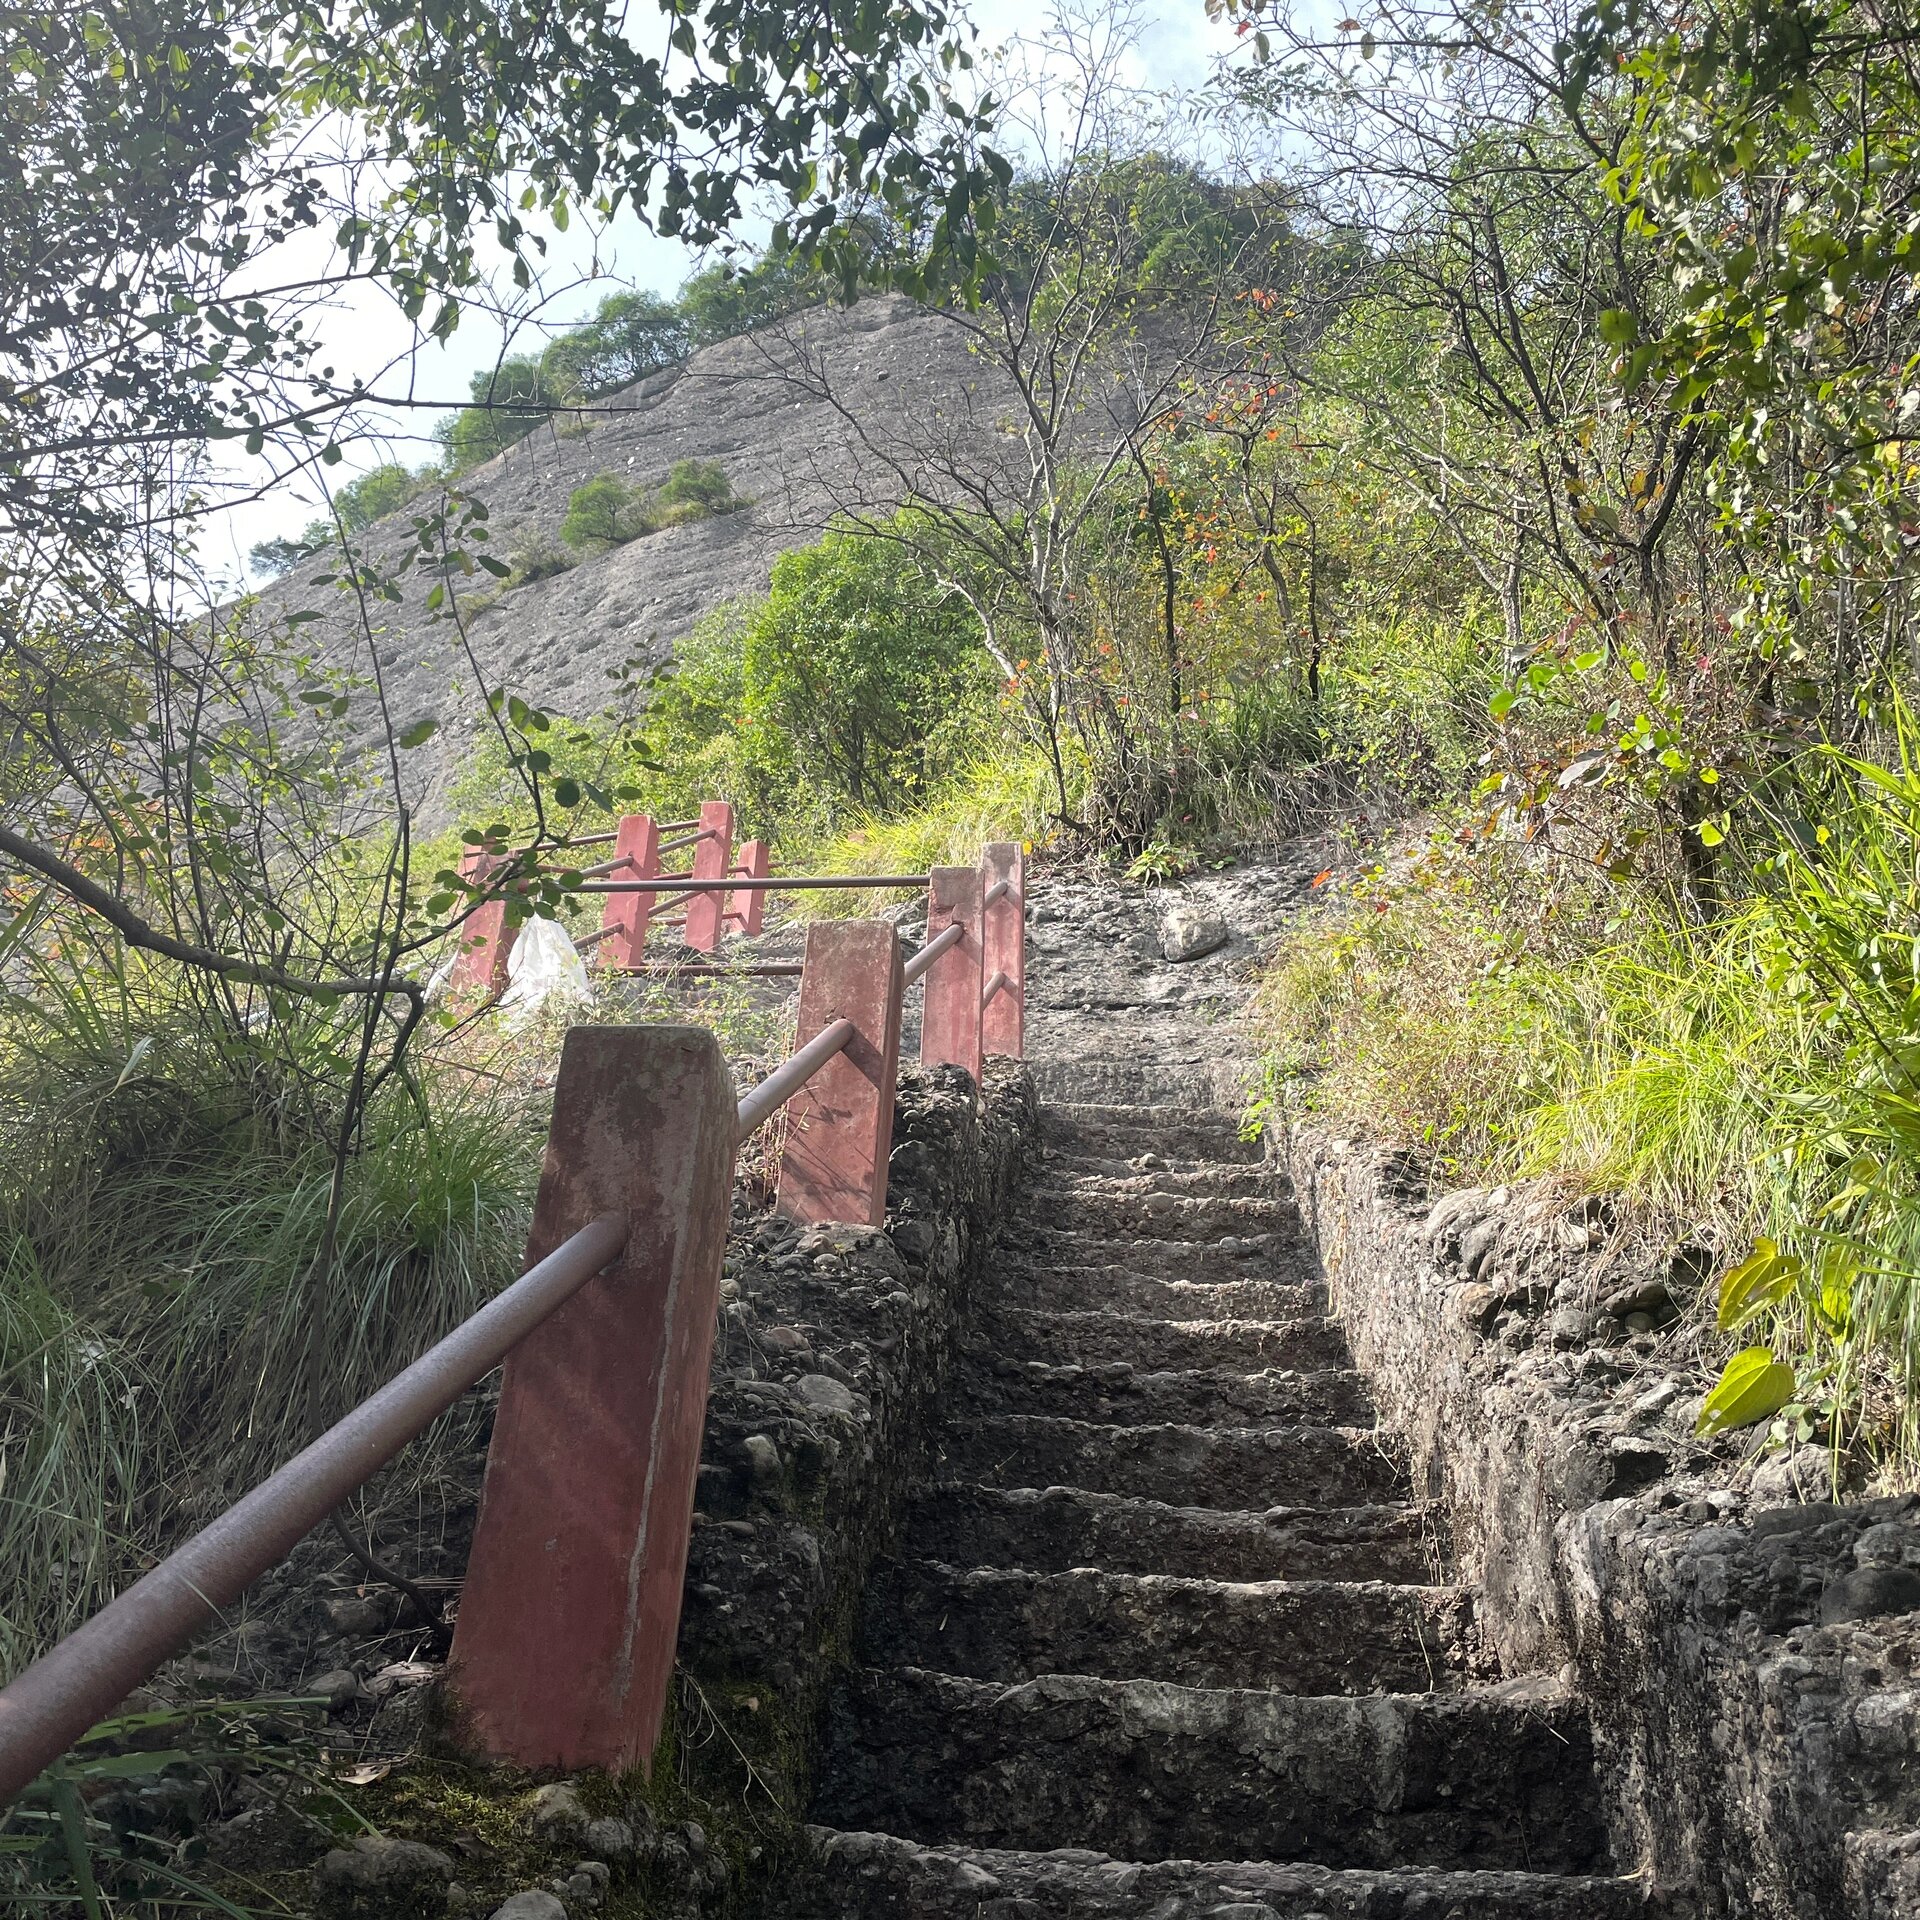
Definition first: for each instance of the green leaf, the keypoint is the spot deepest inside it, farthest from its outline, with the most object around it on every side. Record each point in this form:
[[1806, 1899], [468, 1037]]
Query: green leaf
[[1764, 1276], [1618, 328], [1503, 703], [419, 733], [566, 792], [1754, 1387]]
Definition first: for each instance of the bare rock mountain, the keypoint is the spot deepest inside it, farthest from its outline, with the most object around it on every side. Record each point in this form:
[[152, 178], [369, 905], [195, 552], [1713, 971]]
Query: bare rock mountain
[[793, 414]]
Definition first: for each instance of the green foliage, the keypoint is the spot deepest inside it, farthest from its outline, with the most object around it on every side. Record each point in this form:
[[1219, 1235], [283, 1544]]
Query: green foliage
[[629, 337], [382, 490], [701, 486], [604, 512], [166, 1183]]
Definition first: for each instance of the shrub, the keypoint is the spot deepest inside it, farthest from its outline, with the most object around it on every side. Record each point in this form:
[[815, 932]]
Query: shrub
[[605, 512], [701, 485]]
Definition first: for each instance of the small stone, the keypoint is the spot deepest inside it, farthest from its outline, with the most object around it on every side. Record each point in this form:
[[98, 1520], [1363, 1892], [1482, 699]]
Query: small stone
[[596, 1871], [339, 1689], [1887, 1545], [609, 1839], [1567, 1327], [784, 1339], [584, 1890], [1187, 932], [763, 1460], [534, 1904], [1639, 1323], [824, 1394], [381, 1879], [359, 1614], [1648, 1296], [557, 1813], [1870, 1591]]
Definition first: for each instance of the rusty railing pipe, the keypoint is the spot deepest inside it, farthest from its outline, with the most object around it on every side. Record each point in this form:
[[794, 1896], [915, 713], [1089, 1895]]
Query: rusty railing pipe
[[80, 1681], [932, 951], [774, 883], [764, 1101], [995, 893], [992, 987]]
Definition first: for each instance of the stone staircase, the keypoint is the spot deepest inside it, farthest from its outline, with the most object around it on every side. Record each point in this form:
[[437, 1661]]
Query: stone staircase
[[1166, 1636]]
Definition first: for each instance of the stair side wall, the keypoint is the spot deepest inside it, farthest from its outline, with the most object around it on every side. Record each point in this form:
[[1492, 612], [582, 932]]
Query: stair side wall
[[1758, 1763]]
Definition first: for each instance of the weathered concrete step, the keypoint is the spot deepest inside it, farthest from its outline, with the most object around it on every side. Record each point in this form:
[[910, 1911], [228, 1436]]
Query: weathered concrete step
[[1049, 1529], [1488, 1779], [1122, 1396], [878, 1876], [1099, 1338], [1127, 1080], [1158, 1216], [1265, 1256], [1226, 1468], [1125, 1180], [1309, 1637], [1124, 1131], [1035, 1286]]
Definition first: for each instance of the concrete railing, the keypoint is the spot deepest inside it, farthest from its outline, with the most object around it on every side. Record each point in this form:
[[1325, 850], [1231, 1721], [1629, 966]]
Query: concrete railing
[[564, 1642]]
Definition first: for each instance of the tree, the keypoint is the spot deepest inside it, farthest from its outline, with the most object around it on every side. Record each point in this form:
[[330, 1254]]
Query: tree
[[1096, 314], [631, 336], [861, 668]]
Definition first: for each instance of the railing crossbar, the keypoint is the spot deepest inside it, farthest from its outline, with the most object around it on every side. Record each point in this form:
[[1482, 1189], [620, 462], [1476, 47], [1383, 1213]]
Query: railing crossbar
[[772, 883], [932, 951], [764, 1101], [992, 987]]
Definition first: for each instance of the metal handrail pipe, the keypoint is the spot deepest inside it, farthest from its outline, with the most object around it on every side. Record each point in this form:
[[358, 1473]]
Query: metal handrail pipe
[[773, 883], [80, 1681], [932, 951], [594, 938], [994, 894], [992, 987], [606, 866], [684, 840], [761, 1103], [589, 840], [668, 971]]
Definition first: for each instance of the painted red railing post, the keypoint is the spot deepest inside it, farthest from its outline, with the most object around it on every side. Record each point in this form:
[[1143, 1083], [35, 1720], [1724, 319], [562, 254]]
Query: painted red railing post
[[840, 1130], [950, 1015], [485, 939], [712, 860], [748, 910], [1003, 1027], [638, 844], [564, 1649]]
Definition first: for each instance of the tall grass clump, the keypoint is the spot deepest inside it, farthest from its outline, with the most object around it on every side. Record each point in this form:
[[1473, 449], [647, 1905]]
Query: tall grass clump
[[168, 1332], [1752, 1082]]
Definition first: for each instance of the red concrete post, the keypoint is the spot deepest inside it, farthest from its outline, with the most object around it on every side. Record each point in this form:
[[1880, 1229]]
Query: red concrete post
[[485, 938], [950, 1016], [637, 843], [1003, 1027], [712, 860], [747, 911], [564, 1648], [834, 1166]]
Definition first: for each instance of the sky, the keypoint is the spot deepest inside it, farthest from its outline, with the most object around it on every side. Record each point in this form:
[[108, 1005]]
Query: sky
[[364, 335]]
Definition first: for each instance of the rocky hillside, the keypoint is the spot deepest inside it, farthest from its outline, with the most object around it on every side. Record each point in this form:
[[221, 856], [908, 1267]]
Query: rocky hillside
[[757, 406]]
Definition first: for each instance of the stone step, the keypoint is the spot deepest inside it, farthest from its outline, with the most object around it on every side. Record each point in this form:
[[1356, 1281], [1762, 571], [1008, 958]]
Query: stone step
[[1497, 1778], [878, 1876], [1124, 1131], [1122, 1396], [1227, 1468], [1036, 1287], [1157, 1216], [1279, 1257], [1308, 1637], [1050, 1529], [1126, 1080], [1126, 1180], [1093, 1339]]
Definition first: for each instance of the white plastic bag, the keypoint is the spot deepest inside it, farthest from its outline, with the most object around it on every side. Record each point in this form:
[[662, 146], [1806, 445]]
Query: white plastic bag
[[544, 971]]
